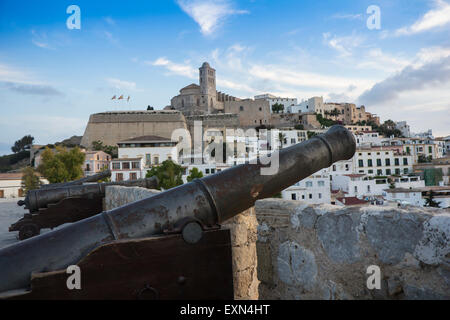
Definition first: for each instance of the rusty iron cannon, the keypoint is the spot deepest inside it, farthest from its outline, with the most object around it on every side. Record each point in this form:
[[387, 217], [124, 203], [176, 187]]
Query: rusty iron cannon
[[94, 178], [52, 207], [168, 246]]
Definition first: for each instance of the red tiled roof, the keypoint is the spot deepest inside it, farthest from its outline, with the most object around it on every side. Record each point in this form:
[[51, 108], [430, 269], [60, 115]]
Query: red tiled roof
[[351, 201]]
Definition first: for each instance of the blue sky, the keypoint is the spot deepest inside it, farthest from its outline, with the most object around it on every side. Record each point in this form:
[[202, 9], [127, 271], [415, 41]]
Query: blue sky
[[53, 78]]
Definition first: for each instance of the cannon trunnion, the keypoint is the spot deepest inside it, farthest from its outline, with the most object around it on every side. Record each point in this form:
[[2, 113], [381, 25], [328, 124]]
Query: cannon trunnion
[[149, 248]]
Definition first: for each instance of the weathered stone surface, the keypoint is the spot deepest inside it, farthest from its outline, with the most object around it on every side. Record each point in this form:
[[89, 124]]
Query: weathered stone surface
[[434, 247], [323, 251], [297, 265], [393, 237], [339, 238]]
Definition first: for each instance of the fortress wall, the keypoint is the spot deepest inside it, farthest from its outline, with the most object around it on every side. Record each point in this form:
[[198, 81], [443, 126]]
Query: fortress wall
[[112, 127], [324, 251]]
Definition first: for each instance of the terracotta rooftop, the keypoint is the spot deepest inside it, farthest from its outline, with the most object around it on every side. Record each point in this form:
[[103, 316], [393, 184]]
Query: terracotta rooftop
[[11, 176], [351, 201]]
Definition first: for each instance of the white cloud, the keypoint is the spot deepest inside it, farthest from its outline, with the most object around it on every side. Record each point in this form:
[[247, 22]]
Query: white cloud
[[40, 39], [344, 45], [411, 78], [208, 14], [179, 69], [435, 18], [348, 16], [121, 85]]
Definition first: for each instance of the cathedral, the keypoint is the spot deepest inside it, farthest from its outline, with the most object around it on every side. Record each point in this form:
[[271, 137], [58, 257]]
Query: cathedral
[[204, 98]]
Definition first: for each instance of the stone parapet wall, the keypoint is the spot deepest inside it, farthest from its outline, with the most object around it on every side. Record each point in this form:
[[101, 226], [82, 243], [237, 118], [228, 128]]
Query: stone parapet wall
[[324, 251], [243, 239]]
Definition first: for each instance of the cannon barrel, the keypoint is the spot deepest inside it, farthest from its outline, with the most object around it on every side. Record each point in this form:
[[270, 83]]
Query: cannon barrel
[[41, 198], [213, 199], [93, 178]]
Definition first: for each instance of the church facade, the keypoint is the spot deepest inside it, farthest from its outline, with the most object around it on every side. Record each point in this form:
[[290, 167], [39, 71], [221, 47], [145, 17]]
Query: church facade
[[204, 98]]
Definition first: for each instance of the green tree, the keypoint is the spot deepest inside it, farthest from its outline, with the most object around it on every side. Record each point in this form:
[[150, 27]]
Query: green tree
[[429, 201], [99, 146], [30, 180], [194, 174], [299, 127], [168, 173], [22, 144], [277, 107], [311, 134], [62, 165], [281, 137]]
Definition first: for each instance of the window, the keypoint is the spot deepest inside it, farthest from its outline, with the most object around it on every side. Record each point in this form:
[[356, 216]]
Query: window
[[294, 196], [321, 183], [368, 188], [156, 160], [405, 171], [303, 197], [430, 149], [388, 171], [346, 167], [310, 196], [207, 171], [133, 176], [308, 184], [213, 171], [378, 162], [116, 165], [370, 172], [119, 176], [356, 189], [379, 172], [125, 165], [135, 165], [369, 163], [334, 167], [361, 163], [397, 161], [388, 162], [241, 108], [397, 171], [405, 161], [320, 196]]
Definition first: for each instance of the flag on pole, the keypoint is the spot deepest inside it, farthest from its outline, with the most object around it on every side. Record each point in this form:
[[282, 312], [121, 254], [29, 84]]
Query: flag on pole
[[113, 98], [120, 98]]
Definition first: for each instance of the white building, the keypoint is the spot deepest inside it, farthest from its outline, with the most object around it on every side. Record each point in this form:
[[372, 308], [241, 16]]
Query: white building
[[11, 185], [404, 128], [368, 139], [286, 102], [124, 169], [341, 167], [418, 147], [153, 149], [382, 162], [447, 145], [363, 186], [314, 104], [405, 196], [312, 190], [205, 169], [289, 137]]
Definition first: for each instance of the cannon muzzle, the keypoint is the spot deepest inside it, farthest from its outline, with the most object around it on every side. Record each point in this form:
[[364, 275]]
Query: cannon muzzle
[[210, 200], [41, 198]]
